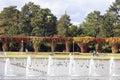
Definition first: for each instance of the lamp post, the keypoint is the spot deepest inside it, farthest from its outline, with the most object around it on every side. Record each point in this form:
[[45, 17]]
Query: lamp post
[[73, 47], [22, 46]]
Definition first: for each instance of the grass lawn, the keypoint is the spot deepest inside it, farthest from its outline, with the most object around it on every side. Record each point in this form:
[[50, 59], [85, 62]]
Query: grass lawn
[[61, 55]]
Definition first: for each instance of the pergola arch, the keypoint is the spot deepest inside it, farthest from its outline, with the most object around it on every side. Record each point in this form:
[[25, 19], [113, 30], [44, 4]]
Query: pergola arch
[[63, 41], [82, 42], [13, 46], [60, 47], [74, 47], [28, 46]]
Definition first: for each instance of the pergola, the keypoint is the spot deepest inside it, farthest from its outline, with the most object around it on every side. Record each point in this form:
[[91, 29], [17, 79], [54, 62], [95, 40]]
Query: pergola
[[82, 42]]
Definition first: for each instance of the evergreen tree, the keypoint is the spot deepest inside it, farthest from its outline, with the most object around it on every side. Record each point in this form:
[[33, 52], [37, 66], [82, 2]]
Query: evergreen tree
[[63, 25], [107, 29], [92, 25], [114, 9]]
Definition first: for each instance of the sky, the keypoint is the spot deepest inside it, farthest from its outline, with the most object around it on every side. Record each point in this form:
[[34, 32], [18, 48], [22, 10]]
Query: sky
[[76, 9]]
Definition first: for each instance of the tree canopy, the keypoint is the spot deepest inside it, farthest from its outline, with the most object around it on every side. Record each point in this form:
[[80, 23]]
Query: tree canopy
[[32, 20], [63, 25]]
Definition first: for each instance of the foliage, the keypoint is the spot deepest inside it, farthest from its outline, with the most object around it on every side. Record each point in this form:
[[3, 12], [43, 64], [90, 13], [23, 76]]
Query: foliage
[[92, 24], [99, 40], [113, 40], [57, 39], [27, 13], [13, 46], [9, 21], [107, 29], [44, 23], [83, 39], [36, 42], [115, 10], [32, 20], [74, 31], [63, 25], [106, 48]]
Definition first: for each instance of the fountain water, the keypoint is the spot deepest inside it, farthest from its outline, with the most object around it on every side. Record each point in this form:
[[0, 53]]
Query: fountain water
[[91, 66], [92, 71], [8, 69], [112, 67], [28, 66], [72, 66], [50, 71]]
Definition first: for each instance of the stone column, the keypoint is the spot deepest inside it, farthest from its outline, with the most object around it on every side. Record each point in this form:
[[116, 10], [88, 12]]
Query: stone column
[[99, 47], [4, 46], [67, 46], [21, 46], [53, 45], [114, 48], [83, 47], [35, 48], [36, 44]]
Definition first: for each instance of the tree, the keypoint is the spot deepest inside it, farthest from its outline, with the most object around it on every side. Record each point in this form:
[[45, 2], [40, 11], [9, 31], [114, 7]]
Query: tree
[[107, 29], [9, 21], [74, 31], [115, 10], [44, 23], [63, 25], [27, 13], [92, 25]]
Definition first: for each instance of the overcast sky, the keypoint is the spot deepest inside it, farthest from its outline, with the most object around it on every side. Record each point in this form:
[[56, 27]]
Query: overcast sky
[[76, 9]]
